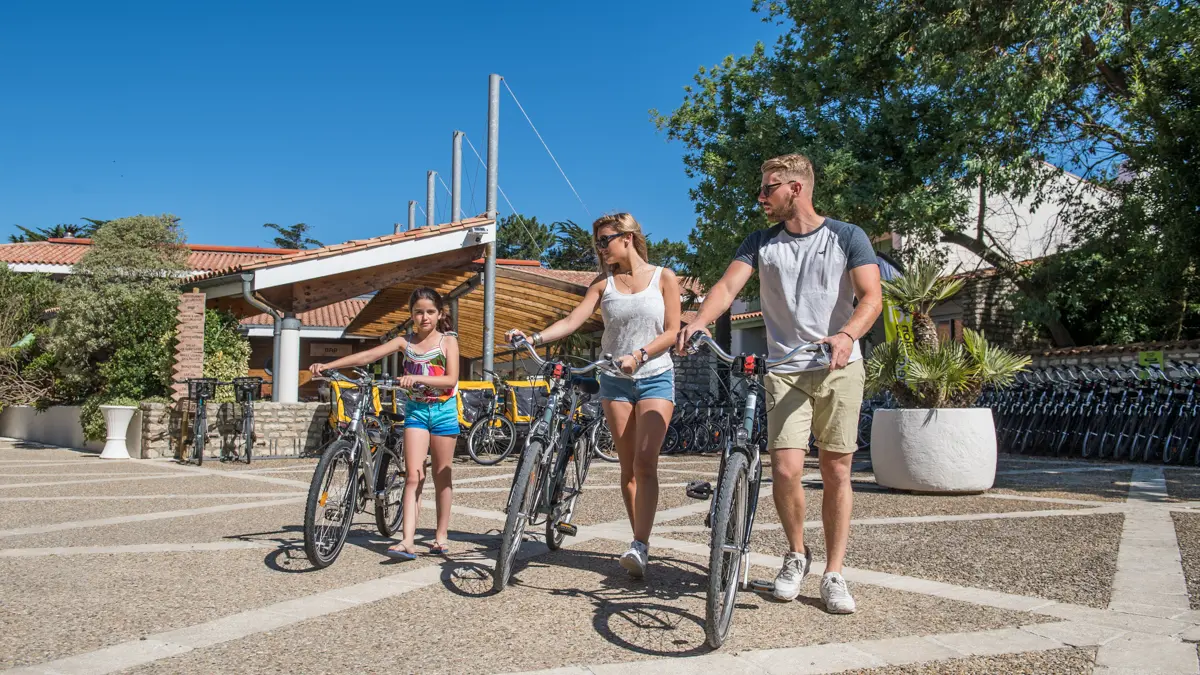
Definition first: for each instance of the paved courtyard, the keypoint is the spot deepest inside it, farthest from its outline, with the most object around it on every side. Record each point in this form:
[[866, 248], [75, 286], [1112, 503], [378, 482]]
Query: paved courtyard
[[153, 567]]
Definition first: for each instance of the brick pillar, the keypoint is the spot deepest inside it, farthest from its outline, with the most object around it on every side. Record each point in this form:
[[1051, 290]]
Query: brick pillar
[[189, 344]]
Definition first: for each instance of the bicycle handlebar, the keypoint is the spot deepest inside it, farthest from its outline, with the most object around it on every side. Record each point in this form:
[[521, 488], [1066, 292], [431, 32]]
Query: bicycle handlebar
[[606, 363], [821, 349]]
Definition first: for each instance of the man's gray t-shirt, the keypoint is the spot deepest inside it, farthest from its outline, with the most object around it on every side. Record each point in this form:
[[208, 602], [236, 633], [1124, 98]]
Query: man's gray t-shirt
[[805, 284]]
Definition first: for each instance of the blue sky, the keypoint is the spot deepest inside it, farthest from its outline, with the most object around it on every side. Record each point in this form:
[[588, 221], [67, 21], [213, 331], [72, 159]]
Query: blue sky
[[231, 115]]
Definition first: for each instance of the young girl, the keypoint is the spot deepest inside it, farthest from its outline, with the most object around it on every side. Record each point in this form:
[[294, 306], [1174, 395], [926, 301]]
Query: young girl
[[430, 416], [640, 306]]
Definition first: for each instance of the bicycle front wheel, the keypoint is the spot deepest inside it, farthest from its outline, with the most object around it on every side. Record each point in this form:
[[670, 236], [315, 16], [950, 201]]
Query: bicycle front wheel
[[600, 440], [491, 439], [330, 507], [521, 502], [389, 492], [725, 558]]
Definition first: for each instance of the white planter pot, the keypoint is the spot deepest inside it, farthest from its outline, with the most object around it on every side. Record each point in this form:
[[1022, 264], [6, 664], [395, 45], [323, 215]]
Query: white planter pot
[[116, 422], [941, 450]]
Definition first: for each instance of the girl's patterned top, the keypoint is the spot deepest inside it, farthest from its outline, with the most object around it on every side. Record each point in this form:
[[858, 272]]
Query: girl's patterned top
[[430, 363]]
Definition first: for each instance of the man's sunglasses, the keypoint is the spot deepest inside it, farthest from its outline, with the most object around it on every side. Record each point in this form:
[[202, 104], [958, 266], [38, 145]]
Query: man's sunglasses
[[767, 190], [602, 242]]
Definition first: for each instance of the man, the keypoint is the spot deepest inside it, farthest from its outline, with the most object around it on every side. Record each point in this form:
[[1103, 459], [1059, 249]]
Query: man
[[811, 269]]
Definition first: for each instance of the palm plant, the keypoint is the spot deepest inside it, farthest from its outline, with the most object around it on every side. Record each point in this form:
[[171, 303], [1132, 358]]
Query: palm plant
[[925, 373], [945, 376], [918, 292]]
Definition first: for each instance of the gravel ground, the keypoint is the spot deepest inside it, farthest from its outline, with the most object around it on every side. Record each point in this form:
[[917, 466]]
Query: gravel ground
[[175, 485], [284, 522], [1057, 661], [29, 514], [1107, 486], [63, 612], [572, 607], [877, 504], [1187, 531], [1183, 485], [595, 506], [1068, 558]]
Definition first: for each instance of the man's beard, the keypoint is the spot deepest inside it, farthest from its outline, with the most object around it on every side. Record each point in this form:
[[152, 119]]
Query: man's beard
[[785, 212]]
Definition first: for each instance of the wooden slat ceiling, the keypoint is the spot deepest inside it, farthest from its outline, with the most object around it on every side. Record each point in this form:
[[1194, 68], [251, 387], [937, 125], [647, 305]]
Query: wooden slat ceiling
[[524, 300]]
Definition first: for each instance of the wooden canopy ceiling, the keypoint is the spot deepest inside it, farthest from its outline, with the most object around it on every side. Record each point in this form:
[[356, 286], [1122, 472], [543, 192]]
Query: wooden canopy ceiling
[[524, 299]]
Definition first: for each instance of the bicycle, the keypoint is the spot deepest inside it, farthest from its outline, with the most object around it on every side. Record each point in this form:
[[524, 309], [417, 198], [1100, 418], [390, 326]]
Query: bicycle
[[551, 469], [200, 390], [246, 390], [735, 502], [493, 436], [360, 461], [595, 429]]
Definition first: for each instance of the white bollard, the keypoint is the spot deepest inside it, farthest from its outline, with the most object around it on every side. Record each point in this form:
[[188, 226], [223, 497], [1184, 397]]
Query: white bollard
[[116, 422]]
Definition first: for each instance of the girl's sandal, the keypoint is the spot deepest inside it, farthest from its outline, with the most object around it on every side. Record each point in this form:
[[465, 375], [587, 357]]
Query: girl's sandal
[[439, 548], [400, 552]]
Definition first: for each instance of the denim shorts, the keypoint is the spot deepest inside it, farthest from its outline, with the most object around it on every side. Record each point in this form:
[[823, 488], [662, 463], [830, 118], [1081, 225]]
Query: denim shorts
[[439, 419], [661, 386]]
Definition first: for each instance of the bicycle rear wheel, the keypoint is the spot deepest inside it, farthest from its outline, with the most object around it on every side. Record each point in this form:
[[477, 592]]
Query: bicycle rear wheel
[[725, 557], [247, 436], [199, 436], [491, 439], [670, 441], [330, 507], [521, 502], [600, 440], [389, 492]]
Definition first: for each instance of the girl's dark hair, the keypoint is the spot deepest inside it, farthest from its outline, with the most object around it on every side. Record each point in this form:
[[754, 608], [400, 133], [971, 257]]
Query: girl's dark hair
[[427, 293]]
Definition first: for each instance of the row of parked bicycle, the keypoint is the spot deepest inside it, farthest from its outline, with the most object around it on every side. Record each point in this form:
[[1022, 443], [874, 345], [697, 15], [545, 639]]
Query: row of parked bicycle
[[1126, 413]]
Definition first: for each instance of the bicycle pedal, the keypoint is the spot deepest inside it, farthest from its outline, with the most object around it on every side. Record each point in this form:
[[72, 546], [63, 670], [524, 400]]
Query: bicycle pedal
[[699, 489], [566, 528]]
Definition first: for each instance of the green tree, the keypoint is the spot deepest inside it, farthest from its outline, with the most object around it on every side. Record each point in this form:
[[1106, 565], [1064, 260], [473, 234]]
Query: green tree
[[520, 237], [59, 231], [573, 248], [113, 335], [667, 253], [295, 237], [226, 351], [24, 302], [911, 111]]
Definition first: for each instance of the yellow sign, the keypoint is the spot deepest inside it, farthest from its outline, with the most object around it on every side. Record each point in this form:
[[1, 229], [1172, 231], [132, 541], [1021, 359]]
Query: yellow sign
[[896, 323], [1147, 359]]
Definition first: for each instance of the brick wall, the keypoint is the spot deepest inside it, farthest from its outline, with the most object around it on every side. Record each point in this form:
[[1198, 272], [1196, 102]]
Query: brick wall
[[695, 375], [987, 306], [189, 343], [280, 428]]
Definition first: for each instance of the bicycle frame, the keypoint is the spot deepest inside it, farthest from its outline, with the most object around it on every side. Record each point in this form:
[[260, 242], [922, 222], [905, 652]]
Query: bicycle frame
[[752, 369], [365, 462]]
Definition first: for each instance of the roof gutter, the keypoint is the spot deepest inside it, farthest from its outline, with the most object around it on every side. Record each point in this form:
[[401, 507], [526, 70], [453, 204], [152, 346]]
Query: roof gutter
[[258, 303]]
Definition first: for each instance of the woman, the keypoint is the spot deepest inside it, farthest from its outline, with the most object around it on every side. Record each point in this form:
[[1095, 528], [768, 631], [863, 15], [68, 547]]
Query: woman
[[640, 306], [430, 415]]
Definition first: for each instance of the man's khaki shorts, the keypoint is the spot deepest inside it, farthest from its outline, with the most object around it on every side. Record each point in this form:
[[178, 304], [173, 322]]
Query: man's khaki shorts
[[821, 403]]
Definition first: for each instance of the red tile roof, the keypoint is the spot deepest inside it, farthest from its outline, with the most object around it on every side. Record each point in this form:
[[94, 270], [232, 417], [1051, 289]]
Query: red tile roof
[[347, 247], [1132, 348], [71, 251], [337, 315], [747, 315], [580, 277]]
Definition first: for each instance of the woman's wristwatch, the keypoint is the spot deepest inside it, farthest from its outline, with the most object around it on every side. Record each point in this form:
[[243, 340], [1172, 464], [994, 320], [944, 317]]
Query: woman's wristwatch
[[643, 357]]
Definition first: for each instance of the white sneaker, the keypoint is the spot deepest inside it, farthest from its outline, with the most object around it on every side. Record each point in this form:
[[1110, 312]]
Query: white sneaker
[[836, 595], [636, 559], [791, 575]]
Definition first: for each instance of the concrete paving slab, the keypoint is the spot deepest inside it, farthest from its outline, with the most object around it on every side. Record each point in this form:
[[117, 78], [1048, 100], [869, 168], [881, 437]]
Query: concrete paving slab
[[1112, 486]]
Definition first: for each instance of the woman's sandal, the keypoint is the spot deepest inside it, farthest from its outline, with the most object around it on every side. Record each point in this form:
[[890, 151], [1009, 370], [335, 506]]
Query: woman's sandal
[[439, 548], [400, 552]]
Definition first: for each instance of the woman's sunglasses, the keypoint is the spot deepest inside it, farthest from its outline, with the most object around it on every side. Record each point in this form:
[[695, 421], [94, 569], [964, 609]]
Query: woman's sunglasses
[[602, 242]]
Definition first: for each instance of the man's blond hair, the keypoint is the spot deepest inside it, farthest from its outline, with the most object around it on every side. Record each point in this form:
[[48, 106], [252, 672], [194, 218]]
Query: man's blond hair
[[790, 167]]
